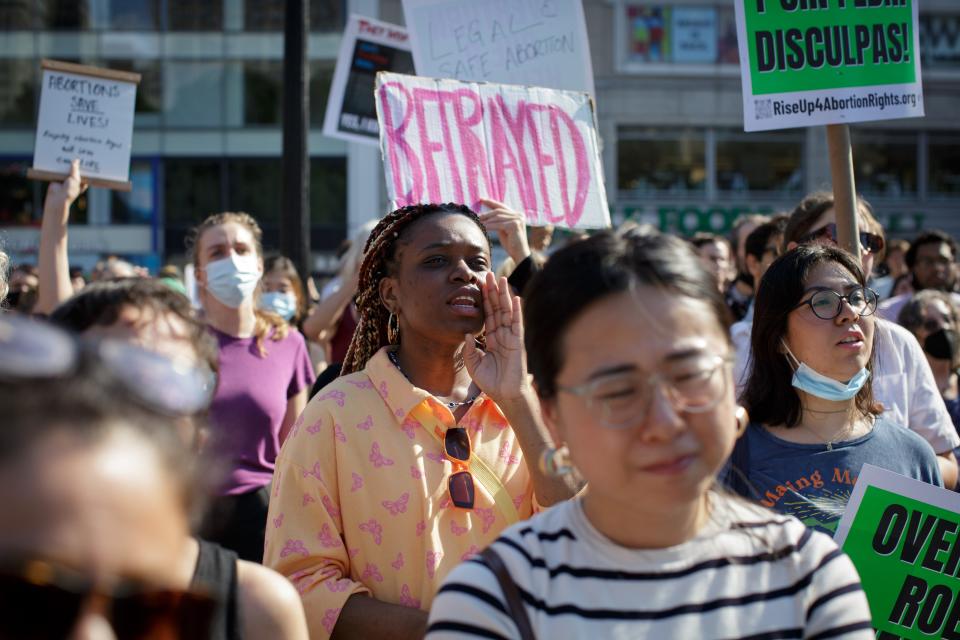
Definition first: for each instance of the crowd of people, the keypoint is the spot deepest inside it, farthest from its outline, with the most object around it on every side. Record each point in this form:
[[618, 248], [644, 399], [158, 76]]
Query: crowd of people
[[629, 435]]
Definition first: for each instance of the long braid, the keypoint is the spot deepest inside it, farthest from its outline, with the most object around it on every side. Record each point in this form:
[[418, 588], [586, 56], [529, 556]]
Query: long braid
[[378, 262]]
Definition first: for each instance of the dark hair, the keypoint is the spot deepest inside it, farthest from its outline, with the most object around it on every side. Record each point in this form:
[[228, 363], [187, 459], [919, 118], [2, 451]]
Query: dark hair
[[702, 238], [90, 407], [911, 314], [285, 266], [756, 243], [769, 395], [100, 304], [933, 236], [605, 264], [813, 206], [747, 218], [379, 261]]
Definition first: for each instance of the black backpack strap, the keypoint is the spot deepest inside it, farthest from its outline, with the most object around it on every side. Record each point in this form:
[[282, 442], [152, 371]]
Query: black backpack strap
[[511, 594]]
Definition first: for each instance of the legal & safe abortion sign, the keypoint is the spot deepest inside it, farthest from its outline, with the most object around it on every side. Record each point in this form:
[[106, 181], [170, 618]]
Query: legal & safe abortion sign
[[813, 62], [534, 149], [902, 535]]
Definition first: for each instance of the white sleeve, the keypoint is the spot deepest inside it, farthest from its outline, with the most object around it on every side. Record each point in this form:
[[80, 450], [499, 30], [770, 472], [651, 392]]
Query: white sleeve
[[470, 604], [925, 412], [740, 336]]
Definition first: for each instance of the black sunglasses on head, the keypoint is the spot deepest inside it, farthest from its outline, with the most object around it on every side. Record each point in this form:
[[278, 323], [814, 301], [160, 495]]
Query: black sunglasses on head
[[870, 242]]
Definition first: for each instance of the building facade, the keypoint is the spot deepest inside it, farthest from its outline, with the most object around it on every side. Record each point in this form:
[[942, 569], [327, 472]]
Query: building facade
[[207, 131]]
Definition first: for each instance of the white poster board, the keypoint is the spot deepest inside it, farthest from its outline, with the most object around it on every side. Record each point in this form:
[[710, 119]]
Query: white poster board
[[85, 113], [539, 43], [368, 46], [534, 149]]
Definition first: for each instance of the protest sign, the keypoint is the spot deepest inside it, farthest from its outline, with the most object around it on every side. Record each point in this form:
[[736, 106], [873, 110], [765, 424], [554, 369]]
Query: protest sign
[[812, 62], [85, 113], [902, 536], [368, 46], [540, 43], [533, 149]]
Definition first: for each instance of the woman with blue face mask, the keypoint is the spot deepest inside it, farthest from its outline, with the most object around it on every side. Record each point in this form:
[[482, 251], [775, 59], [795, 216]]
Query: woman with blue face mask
[[264, 376], [282, 290], [809, 394]]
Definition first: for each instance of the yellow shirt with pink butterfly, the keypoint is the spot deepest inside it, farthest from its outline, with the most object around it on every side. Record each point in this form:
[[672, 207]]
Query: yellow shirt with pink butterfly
[[360, 500]]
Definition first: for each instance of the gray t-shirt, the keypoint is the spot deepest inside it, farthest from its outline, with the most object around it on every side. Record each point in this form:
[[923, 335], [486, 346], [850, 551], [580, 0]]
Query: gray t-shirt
[[814, 483]]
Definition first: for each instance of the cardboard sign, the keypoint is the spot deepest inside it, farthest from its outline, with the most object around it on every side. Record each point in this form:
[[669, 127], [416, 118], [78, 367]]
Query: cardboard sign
[[902, 535], [533, 149], [540, 43], [368, 46], [813, 62], [85, 113]]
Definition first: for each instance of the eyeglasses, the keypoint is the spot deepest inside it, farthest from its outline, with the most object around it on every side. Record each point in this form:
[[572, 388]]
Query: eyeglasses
[[456, 446], [34, 350], [42, 601], [827, 304], [623, 399], [869, 242]]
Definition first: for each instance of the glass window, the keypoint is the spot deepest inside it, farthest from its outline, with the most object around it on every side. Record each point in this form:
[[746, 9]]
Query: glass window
[[268, 15], [191, 191], [661, 161], [126, 15], [262, 92], [940, 40], [321, 75], [193, 93], [944, 163], [195, 15], [682, 34], [136, 206], [885, 163], [63, 14], [328, 192], [149, 92], [18, 92], [253, 185], [18, 195], [768, 162], [16, 14]]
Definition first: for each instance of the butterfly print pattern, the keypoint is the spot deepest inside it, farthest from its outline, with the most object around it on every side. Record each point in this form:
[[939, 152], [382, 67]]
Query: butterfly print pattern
[[374, 528], [357, 481], [294, 546], [336, 395], [327, 538], [398, 506], [407, 599]]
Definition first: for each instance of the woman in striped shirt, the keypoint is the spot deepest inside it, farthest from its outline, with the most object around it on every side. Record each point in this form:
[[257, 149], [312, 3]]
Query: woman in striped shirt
[[627, 342]]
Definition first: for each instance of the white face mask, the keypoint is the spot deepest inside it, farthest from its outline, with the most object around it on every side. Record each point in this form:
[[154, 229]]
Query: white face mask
[[233, 279], [282, 304]]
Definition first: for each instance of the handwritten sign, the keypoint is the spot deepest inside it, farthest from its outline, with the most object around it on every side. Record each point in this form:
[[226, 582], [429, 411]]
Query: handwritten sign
[[85, 113], [534, 149], [540, 43], [902, 535], [368, 46], [828, 61]]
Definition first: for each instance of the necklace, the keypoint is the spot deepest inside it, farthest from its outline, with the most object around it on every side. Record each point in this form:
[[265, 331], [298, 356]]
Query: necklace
[[450, 405], [829, 442]]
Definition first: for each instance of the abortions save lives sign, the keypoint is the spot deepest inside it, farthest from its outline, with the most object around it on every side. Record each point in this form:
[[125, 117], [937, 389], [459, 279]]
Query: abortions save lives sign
[[368, 46], [902, 535], [814, 62], [534, 149], [86, 113], [540, 43]]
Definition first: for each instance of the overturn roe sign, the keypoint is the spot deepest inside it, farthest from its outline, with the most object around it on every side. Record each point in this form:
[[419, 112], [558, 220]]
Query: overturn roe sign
[[533, 149], [902, 535], [813, 62]]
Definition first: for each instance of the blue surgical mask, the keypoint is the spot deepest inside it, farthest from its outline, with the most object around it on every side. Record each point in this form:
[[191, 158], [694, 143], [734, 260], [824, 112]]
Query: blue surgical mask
[[282, 304], [233, 280], [819, 385]]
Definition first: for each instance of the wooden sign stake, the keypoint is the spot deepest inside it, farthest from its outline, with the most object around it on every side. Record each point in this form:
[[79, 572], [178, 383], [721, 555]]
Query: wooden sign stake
[[844, 188]]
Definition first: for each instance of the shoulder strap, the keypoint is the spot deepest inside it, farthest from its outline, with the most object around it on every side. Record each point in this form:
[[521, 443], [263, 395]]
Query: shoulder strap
[[481, 471], [515, 607]]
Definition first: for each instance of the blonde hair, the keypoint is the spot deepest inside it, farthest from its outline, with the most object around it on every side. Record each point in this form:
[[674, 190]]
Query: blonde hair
[[267, 323], [4, 286]]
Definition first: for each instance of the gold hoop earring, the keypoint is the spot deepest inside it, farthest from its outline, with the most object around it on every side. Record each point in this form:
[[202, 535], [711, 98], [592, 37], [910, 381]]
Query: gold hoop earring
[[555, 461], [743, 420], [393, 329]]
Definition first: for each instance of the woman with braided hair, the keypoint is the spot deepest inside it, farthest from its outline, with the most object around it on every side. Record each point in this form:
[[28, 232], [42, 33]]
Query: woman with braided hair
[[425, 448]]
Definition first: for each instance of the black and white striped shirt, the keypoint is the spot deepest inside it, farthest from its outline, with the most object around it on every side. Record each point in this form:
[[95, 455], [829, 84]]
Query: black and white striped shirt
[[749, 573]]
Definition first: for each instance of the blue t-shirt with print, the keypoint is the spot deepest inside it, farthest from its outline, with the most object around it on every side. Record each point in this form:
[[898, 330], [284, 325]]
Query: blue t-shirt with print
[[814, 483]]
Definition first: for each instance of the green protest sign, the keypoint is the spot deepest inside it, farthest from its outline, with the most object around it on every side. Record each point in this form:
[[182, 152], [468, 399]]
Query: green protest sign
[[811, 62], [902, 535]]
